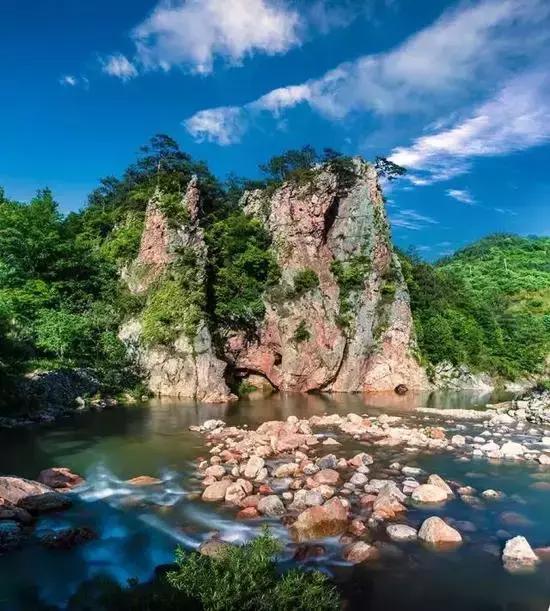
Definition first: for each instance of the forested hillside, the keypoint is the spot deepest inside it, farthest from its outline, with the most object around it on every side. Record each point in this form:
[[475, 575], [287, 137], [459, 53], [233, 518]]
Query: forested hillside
[[487, 306]]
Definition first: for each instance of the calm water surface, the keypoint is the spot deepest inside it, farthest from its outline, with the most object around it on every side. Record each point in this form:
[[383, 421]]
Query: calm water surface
[[138, 530]]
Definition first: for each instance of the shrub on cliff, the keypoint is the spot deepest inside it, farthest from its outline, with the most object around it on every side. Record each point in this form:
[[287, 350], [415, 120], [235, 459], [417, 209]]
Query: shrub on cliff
[[242, 266], [246, 578], [305, 280]]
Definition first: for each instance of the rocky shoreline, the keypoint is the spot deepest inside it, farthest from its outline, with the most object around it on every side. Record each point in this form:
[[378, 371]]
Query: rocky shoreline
[[300, 473], [43, 397]]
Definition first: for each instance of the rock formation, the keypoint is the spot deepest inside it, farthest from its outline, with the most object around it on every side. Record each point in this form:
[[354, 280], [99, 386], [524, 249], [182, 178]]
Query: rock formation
[[188, 366], [351, 330], [339, 319]]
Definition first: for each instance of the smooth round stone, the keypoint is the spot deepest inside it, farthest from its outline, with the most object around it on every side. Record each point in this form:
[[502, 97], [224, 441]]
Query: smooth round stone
[[401, 532]]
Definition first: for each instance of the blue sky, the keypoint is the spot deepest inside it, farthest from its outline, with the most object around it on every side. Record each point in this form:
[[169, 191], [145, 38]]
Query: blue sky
[[457, 92]]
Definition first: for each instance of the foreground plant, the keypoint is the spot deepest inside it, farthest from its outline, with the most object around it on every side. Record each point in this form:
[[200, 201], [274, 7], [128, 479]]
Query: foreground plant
[[246, 578]]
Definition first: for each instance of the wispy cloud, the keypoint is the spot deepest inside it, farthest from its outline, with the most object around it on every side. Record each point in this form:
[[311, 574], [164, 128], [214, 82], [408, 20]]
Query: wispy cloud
[[461, 195], [411, 219], [506, 211], [69, 80], [120, 66], [220, 125], [517, 118], [474, 44]]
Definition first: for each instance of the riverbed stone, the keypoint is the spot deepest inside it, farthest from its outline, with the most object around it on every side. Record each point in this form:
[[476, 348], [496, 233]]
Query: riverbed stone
[[32, 496], [248, 513], [361, 460], [360, 551], [388, 502], [9, 511], [59, 478], [435, 532], [235, 493], [145, 480], [328, 461], [428, 494], [491, 494], [271, 506], [458, 440], [216, 471], [67, 538], [216, 491], [518, 554], [359, 479], [286, 470], [511, 449], [327, 476], [254, 465], [401, 532], [437, 480], [214, 548], [325, 520]]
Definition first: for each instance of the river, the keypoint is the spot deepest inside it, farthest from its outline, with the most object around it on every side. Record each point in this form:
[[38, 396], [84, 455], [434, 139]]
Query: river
[[139, 529]]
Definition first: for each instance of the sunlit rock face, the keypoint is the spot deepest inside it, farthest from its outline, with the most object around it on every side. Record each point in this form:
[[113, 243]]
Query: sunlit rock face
[[339, 319], [188, 366], [352, 331]]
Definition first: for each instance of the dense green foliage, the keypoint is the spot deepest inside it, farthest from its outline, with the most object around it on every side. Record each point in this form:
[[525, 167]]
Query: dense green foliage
[[305, 280], [245, 578], [176, 303], [59, 299], [486, 306], [242, 266]]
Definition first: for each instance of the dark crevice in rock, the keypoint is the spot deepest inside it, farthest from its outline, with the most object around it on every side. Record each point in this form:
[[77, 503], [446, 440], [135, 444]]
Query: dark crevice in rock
[[331, 214]]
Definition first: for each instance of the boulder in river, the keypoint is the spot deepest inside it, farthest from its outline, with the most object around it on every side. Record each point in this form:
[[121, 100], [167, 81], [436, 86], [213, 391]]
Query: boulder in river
[[518, 555], [9, 511], [360, 551], [60, 478], [429, 494], [271, 506], [216, 491], [320, 521], [67, 538], [401, 532], [435, 532], [437, 480], [32, 496], [144, 480]]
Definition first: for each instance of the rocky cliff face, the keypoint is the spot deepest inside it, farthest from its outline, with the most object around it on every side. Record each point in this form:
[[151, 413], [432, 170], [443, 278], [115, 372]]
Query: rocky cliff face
[[187, 366], [340, 318]]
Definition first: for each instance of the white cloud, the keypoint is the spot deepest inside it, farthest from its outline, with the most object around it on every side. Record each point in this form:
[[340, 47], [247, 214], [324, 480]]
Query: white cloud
[[119, 65], [461, 195], [506, 211], [282, 98], [410, 219], [192, 33], [220, 125], [69, 80], [517, 118], [466, 50]]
